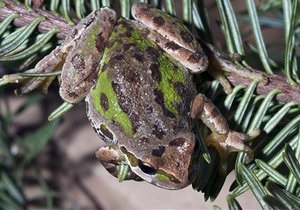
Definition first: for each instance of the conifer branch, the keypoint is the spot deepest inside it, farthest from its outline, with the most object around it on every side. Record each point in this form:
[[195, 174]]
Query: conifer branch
[[289, 93]]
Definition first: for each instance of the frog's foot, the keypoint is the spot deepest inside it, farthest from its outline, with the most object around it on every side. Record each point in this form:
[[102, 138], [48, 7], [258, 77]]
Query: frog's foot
[[228, 143], [114, 161], [222, 63], [222, 138]]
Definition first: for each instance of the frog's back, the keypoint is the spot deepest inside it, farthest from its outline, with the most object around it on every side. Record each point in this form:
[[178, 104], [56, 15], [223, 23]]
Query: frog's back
[[141, 92]]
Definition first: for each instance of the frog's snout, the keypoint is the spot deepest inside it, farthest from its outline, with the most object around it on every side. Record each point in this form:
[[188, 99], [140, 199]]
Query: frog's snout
[[170, 167]]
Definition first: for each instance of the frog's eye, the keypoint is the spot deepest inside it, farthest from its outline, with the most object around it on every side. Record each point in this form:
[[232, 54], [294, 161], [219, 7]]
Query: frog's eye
[[105, 132], [147, 169]]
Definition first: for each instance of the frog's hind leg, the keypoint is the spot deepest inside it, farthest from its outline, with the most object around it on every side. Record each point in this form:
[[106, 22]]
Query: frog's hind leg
[[222, 138], [222, 63], [78, 56]]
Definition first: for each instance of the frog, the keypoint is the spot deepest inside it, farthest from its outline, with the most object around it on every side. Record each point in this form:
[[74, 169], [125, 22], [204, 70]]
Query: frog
[[136, 77]]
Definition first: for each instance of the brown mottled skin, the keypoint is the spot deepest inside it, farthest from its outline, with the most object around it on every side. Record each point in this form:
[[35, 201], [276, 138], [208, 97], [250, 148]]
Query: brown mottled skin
[[155, 128], [145, 67], [162, 142]]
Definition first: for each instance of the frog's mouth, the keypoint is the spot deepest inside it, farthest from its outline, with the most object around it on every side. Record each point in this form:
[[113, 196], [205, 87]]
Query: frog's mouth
[[151, 174]]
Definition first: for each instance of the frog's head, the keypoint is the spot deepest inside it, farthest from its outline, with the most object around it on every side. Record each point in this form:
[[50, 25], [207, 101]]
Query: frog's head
[[167, 166]]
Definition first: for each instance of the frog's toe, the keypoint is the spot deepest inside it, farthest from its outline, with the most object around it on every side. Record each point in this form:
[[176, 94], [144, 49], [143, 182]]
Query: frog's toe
[[220, 77], [235, 142], [227, 144], [28, 82]]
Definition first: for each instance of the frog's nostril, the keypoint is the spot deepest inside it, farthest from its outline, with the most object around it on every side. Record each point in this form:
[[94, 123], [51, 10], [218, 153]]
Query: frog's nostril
[[159, 151]]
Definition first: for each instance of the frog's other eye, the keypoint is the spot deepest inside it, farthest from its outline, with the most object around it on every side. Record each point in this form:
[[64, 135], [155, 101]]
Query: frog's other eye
[[147, 169], [106, 132]]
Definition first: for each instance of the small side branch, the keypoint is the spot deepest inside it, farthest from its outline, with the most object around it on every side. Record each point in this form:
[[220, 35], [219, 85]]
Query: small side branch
[[289, 93]]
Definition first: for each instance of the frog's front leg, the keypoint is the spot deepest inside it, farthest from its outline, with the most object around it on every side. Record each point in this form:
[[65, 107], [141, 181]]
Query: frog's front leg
[[171, 36], [82, 63], [78, 56], [50, 63], [222, 138]]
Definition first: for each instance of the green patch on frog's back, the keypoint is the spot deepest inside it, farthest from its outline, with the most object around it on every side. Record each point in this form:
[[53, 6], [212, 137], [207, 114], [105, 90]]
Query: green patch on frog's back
[[172, 74], [106, 103], [105, 97]]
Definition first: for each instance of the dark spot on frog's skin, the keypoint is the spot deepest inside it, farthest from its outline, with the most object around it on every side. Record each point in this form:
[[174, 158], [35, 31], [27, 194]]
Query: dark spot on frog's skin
[[117, 57], [139, 56], [104, 67], [158, 130], [110, 44], [145, 32], [112, 20], [131, 75], [175, 68], [158, 21], [71, 93], [180, 88], [116, 87], [124, 24], [104, 130], [159, 151], [153, 53], [127, 46], [172, 45], [78, 62], [186, 37], [155, 72], [143, 140], [149, 110], [104, 102], [177, 142], [100, 43], [134, 119], [128, 33], [124, 102], [195, 57], [159, 98]]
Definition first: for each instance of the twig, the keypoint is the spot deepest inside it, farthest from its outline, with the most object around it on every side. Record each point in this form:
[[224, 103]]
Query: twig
[[289, 92], [27, 16]]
